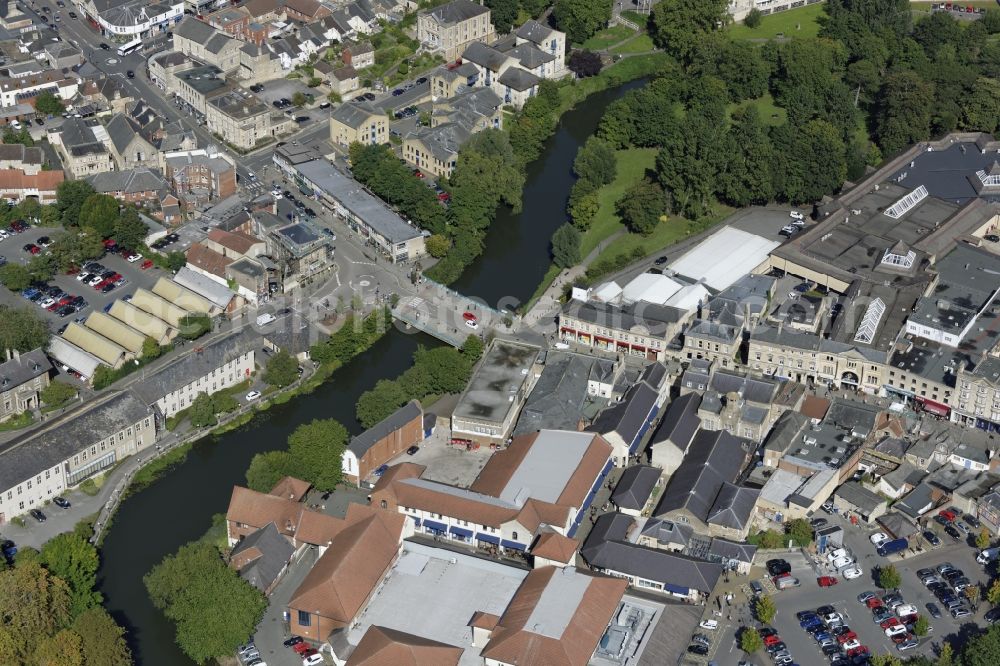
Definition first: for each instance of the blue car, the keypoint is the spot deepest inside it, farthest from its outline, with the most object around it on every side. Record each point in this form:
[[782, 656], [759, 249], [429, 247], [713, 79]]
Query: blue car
[[9, 549], [807, 624], [821, 636], [29, 292], [381, 470]]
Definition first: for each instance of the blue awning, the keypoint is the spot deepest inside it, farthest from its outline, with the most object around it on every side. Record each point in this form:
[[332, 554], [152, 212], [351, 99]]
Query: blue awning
[[513, 545], [488, 538], [436, 526], [461, 531], [676, 589], [417, 521]]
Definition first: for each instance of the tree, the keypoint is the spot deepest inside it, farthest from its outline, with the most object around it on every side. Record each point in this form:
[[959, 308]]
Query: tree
[[63, 649], [748, 178], [102, 640], [921, 626], [299, 99], [750, 640], [70, 195], [993, 594], [129, 230], [99, 212], [946, 655], [33, 603], [534, 8], [580, 19], [151, 348], [74, 560], [201, 413], [753, 18], [885, 660], [642, 207], [214, 610], [193, 326], [566, 246], [472, 348], [380, 401], [42, 267], [811, 161], [22, 329], [888, 577], [983, 539], [973, 594], [596, 162], [57, 394], [15, 277], [49, 104], [800, 531], [282, 369], [903, 111], [503, 13], [317, 448], [584, 202], [678, 25], [22, 136], [983, 650], [584, 63], [438, 245], [176, 261], [267, 468], [764, 609]]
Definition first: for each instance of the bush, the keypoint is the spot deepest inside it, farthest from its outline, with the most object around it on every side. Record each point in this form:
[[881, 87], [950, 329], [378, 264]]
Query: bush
[[57, 394], [194, 326], [754, 18]]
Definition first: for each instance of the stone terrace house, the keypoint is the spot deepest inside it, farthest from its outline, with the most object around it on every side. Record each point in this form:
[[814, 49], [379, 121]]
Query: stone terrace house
[[82, 151], [201, 41], [382, 442], [38, 465], [450, 28], [140, 185], [128, 147], [22, 378]]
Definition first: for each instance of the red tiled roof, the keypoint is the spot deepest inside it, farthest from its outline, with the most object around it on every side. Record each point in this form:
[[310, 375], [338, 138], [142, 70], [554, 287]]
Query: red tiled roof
[[382, 646], [12, 180], [208, 260]]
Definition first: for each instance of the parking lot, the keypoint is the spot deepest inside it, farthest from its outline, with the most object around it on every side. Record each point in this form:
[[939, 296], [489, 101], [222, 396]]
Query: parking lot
[[285, 89]]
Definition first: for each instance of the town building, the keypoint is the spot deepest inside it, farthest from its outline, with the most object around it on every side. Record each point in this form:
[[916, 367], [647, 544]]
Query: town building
[[199, 40], [128, 147], [20, 90], [22, 378], [40, 464], [83, 153], [241, 119], [132, 19], [359, 122], [202, 175], [140, 185], [382, 442], [448, 29]]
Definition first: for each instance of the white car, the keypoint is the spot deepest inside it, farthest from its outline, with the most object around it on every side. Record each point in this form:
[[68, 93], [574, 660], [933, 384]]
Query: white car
[[46, 303], [134, 257], [879, 538], [896, 631], [796, 215], [472, 323], [851, 644], [852, 573], [711, 625], [836, 554], [253, 395], [311, 660], [842, 562], [81, 275]]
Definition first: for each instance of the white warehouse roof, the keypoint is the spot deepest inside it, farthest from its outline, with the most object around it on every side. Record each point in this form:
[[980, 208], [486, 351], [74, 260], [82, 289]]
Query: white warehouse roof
[[689, 297], [651, 288], [724, 257]]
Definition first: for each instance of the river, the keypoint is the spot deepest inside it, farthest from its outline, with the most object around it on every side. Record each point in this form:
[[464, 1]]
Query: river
[[178, 508], [517, 245]]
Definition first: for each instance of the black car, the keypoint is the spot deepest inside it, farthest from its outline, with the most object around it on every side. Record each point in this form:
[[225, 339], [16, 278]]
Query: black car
[[310, 212], [993, 615], [952, 532], [778, 567], [933, 610], [130, 74], [72, 15], [932, 538], [294, 640], [776, 647], [702, 639], [302, 119], [397, 92], [660, 261], [38, 515], [257, 88], [65, 311], [413, 449], [817, 523], [830, 650], [422, 79], [953, 574], [108, 288], [61, 503], [971, 521], [940, 520], [924, 573], [993, 238], [825, 610], [767, 631], [368, 96], [697, 649], [105, 46], [276, 103]]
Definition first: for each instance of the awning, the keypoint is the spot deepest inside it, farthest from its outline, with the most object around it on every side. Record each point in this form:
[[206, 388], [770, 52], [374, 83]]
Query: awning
[[638, 348], [513, 545], [416, 522], [934, 407], [676, 589], [488, 538], [461, 531], [601, 339], [436, 526]]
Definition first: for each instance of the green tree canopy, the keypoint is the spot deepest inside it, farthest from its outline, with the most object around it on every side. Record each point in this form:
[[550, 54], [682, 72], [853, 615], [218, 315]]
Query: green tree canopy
[[267, 468], [888, 577], [49, 104], [580, 19], [503, 13], [678, 25], [15, 277], [57, 393], [750, 640], [596, 161], [65, 648], [99, 211], [903, 108], [33, 604], [764, 609], [642, 206], [438, 245], [282, 369], [102, 640], [472, 348], [380, 401], [22, 329], [566, 246], [129, 230], [317, 448], [800, 531], [213, 609], [201, 412]]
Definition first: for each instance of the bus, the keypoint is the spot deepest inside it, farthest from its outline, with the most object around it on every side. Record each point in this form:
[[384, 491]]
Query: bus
[[131, 47]]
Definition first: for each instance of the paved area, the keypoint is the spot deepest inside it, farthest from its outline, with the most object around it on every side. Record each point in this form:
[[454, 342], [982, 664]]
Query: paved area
[[453, 465]]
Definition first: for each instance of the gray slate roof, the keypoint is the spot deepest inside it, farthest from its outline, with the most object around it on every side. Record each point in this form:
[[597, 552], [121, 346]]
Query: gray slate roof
[[275, 552], [133, 181], [121, 131], [195, 30], [680, 423], [558, 398], [23, 369], [635, 486], [859, 496], [714, 459], [533, 31], [628, 417], [360, 445], [733, 506], [519, 79], [655, 318], [485, 56], [62, 438], [353, 113], [457, 11]]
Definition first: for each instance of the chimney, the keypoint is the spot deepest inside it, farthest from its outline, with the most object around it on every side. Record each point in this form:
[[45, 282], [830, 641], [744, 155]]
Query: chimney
[[17, 355], [8, 354]]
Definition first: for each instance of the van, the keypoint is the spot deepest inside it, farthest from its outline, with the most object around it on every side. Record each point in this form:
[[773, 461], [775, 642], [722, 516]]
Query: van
[[266, 318], [894, 546], [988, 555], [786, 582]]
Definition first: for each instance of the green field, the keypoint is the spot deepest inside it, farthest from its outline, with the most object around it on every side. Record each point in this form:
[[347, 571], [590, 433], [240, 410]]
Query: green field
[[801, 22], [769, 112], [608, 37], [666, 234], [636, 17], [639, 44], [632, 166]]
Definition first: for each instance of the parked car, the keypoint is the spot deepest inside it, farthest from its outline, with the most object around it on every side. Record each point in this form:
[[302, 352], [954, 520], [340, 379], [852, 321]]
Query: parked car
[[852, 573], [778, 567], [711, 625], [38, 515], [252, 395], [878, 538], [932, 538], [693, 649], [827, 581], [412, 450], [61, 502]]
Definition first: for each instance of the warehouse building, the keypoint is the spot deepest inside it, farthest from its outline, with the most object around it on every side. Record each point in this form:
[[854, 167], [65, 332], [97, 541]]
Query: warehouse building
[[142, 321], [108, 352], [183, 298], [116, 332], [159, 307]]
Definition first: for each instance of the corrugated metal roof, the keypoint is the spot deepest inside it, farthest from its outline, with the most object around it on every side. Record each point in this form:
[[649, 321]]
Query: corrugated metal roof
[[142, 321], [158, 307], [206, 287], [181, 297], [98, 345], [116, 331], [73, 357]]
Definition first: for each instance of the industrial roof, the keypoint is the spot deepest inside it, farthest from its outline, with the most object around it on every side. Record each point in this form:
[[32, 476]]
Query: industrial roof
[[501, 374], [218, 294], [362, 443], [67, 354], [159, 307], [116, 331], [141, 321], [743, 252], [104, 349], [650, 287], [181, 297]]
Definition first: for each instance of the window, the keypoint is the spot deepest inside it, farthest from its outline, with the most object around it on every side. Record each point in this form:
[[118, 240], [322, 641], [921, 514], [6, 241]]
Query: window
[[305, 619], [513, 535], [384, 504]]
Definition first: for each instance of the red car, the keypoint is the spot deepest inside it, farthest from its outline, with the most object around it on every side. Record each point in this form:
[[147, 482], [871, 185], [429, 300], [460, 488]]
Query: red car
[[947, 515], [891, 622], [849, 636], [861, 649], [827, 581], [146, 264], [772, 639], [444, 196], [900, 638], [302, 648], [102, 284], [418, 173], [874, 603]]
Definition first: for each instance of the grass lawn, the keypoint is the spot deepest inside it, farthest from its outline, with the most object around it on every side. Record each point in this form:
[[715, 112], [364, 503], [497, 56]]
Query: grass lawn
[[632, 166], [801, 22], [666, 234], [636, 17], [608, 37], [639, 44], [769, 112]]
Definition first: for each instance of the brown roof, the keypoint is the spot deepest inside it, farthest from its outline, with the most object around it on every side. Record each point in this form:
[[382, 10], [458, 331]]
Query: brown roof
[[291, 488], [208, 260], [814, 407], [344, 578], [890, 423], [305, 7], [260, 7], [554, 546], [15, 179], [382, 646], [406, 470], [318, 528], [501, 466], [249, 507], [514, 642], [237, 242], [483, 620]]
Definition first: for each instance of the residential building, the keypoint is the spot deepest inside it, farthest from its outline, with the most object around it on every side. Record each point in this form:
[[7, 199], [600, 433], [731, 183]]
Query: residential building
[[867, 505], [382, 442], [199, 84], [128, 147], [164, 67], [358, 55], [216, 366], [299, 251], [22, 378], [637, 329], [305, 10], [548, 41], [257, 64], [450, 28], [42, 463], [568, 391], [204, 43], [240, 119], [625, 423], [488, 408], [203, 174], [16, 185], [634, 489], [738, 9], [18, 90], [132, 19], [82, 152], [359, 122], [262, 558], [138, 185]]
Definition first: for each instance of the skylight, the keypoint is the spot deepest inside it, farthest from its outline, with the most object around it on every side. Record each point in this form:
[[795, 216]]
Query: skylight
[[898, 209]]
